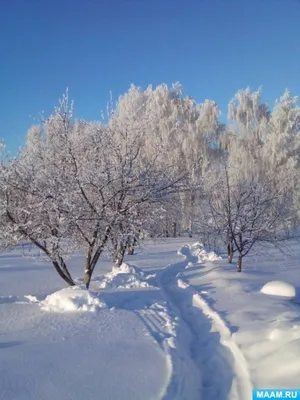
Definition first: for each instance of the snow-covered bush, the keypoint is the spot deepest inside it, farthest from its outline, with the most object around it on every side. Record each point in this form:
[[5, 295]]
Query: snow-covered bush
[[279, 288]]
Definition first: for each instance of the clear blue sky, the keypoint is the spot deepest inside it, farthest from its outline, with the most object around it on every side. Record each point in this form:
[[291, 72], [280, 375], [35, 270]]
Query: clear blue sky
[[213, 47]]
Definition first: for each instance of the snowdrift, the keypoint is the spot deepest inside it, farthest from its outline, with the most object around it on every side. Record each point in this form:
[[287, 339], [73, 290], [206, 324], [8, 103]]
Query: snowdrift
[[72, 299], [198, 250], [127, 276], [278, 288]]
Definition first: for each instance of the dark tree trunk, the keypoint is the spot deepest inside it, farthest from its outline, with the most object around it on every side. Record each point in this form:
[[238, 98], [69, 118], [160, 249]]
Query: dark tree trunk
[[130, 250], [91, 260], [131, 246], [57, 261], [87, 277], [65, 276], [239, 263], [174, 225], [230, 252], [120, 255], [190, 229], [88, 271]]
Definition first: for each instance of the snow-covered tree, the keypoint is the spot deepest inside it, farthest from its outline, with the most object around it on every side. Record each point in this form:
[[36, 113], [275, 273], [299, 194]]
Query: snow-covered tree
[[75, 183], [244, 213], [158, 163], [252, 198]]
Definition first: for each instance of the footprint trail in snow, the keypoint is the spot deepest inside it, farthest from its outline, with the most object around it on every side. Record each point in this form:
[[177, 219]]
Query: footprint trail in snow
[[203, 359]]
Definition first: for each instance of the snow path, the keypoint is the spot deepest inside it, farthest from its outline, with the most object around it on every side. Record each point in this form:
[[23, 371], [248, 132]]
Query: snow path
[[160, 319], [222, 369], [183, 375]]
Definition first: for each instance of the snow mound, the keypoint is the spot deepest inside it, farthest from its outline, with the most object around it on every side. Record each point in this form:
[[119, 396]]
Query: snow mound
[[198, 250], [31, 298], [72, 299], [125, 276], [278, 288]]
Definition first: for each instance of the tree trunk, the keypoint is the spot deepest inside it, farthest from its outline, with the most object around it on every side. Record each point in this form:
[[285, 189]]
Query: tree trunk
[[190, 228], [58, 262], [239, 263], [118, 261], [87, 277], [131, 246], [230, 252], [130, 250], [120, 255], [174, 225], [66, 277], [91, 260], [88, 270]]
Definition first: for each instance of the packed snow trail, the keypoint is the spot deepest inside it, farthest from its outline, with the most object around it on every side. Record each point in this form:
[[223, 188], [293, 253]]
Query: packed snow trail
[[183, 380], [223, 372]]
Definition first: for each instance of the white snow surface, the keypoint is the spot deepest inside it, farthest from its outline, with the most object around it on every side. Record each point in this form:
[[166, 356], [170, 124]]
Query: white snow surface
[[266, 329], [72, 299], [108, 354], [125, 276], [169, 328], [279, 288]]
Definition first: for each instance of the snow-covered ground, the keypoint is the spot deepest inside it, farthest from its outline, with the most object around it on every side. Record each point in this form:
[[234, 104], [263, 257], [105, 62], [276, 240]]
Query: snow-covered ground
[[264, 327], [165, 326]]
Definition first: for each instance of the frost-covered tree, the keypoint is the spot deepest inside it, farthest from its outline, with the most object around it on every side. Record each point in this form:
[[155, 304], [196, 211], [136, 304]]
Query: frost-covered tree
[[178, 131], [252, 198], [158, 163], [75, 183], [244, 213]]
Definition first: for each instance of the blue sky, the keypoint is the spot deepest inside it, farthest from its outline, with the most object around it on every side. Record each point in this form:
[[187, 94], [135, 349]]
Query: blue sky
[[213, 47]]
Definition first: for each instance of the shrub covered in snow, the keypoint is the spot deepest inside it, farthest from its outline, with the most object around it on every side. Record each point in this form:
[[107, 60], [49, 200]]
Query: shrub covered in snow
[[278, 288]]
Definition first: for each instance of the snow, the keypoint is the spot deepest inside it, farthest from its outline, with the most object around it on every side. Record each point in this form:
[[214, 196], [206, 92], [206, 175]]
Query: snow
[[220, 368], [198, 250], [241, 384], [279, 288], [72, 299], [266, 329], [125, 276], [31, 298], [110, 353], [79, 356], [170, 327]]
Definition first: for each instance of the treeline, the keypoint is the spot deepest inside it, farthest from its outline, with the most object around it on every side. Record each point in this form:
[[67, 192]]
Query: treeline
[[158, 164]]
